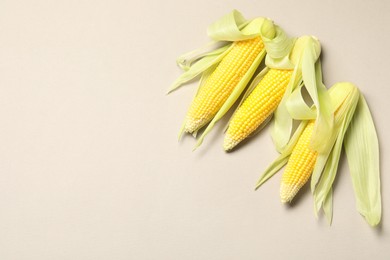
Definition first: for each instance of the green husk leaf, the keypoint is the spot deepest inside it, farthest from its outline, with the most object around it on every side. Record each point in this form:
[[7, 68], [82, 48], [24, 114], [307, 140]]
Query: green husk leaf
[[306, 52], [343, 97], [186, 60], [283, 122], [312, 78], [228, 28], [195, 69], [273, 168], [231, 27], [234, 27], [346, 109], [328, 206], [297, 106], [278, 50], [362, 149], [276, 165], [329, 173]]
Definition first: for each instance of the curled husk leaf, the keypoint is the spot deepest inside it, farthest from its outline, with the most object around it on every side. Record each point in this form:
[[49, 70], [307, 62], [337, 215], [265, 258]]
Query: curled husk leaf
[[307, 73]]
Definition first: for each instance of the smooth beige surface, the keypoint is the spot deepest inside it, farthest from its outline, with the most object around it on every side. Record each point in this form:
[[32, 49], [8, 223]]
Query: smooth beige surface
[[90, 167]]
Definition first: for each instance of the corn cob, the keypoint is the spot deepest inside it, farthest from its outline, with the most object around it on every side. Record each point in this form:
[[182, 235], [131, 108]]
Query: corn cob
[[265, 98], [300, 165], [259, 105], [303, 158], [221, 83]]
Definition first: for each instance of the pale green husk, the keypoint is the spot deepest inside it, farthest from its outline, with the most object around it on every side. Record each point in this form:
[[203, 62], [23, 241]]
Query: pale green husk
[[355, 127], [225, 30], [195, 66], [292, 106], [328, 207], [344, 100], [278, 50], [229, 28], [362, 149]]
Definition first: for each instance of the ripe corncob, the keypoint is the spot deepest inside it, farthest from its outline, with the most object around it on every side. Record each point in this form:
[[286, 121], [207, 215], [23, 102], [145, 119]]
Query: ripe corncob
[[300, 165], [259, 105], [303, 158], [221, 83]]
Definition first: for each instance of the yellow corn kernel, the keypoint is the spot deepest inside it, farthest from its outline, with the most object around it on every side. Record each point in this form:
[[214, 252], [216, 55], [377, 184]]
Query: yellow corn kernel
[[259, 105], [221, 83], [300, 165]]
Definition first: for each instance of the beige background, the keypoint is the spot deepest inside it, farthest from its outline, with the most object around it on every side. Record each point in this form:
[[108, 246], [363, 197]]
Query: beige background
[[90, 167]]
